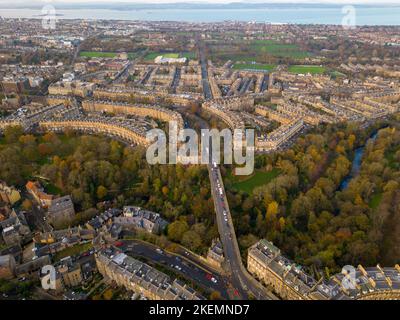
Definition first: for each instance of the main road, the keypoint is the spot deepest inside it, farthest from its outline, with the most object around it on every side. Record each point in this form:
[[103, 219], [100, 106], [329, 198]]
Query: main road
[[241, 280], [183, 264]]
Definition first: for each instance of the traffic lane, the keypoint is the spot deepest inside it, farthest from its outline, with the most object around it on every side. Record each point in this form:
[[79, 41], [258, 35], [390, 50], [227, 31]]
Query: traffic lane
[[231, 257], [37, 218], [195, 260], [226, 238], [179, 265], [184, 268], [239, 276]]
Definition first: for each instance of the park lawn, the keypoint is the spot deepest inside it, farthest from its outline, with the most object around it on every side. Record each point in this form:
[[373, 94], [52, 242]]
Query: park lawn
[[95, 54], [153, 55], [236, 57], [250, 66], [279, 49], [73, 251], [188, 55], [132, 55], [259, 178], [170, 55], [306, 69], [375, 200]]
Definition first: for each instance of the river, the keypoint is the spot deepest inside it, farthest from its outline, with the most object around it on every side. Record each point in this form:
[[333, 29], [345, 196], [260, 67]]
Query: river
[[356, 165]]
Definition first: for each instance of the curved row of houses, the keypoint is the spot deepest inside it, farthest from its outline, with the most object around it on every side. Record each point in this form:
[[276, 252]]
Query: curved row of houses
[[224, 109], [228, 111], [94, 126], [140, 110], [289, 281]]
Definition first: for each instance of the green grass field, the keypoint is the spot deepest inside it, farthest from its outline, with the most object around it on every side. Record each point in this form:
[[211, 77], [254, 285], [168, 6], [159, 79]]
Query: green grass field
[[189, 55], [171, 55], [250, 66], [307, 69], [95, 54], [279, 49], [257, 51], [153, 55], [132, 55], [259, 178]]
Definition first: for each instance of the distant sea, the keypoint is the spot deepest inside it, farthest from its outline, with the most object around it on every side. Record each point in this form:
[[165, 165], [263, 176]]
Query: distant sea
[[365, 15]]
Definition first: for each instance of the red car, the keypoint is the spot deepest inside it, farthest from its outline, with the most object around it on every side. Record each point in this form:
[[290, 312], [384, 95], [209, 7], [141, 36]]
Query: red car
[[118, 244]]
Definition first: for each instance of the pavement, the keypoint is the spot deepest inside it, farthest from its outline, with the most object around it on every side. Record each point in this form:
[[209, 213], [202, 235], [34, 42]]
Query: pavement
[[202, 275], [244, 285], [36, 216], [204, 71]]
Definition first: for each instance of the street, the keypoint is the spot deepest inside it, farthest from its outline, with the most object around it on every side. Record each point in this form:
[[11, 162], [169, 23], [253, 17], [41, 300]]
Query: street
[[241, 280], [205, 277]]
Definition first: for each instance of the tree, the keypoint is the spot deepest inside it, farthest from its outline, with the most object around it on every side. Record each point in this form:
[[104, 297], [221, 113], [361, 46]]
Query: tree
[[27, 204], [165, 190], [215, 295], [12, 133], [272, 211], [27, 139], [176, 230], [282, 223], [191, 240], [108, 294], [101, 192]]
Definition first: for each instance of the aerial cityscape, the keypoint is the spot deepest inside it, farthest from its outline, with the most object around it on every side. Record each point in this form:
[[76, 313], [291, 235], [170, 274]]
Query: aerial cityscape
[[93, 207]]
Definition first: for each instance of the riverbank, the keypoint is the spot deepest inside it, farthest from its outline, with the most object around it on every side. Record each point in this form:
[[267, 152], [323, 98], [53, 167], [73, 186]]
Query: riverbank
[[357, 161]]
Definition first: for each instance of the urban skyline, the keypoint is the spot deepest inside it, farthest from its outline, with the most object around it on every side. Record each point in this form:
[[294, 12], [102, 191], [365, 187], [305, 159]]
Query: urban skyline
[[87, 214]]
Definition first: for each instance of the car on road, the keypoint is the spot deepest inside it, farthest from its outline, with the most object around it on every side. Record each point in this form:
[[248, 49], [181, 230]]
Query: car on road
[[178, 268], [158, 250], [214, 280]]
